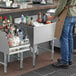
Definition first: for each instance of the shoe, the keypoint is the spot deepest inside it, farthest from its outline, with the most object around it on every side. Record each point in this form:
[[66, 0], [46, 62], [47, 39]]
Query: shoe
[[60, 65], [59, 60], [70, 62]]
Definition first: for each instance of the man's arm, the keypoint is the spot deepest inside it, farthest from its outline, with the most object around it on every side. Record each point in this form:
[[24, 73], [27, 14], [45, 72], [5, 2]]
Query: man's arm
[[60, 7]]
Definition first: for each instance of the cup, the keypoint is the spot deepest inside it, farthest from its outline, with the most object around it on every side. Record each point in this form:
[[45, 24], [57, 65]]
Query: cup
[[8, 3]]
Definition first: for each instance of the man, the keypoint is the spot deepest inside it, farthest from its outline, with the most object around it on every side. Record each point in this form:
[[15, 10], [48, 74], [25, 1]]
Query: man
[[66, 39]]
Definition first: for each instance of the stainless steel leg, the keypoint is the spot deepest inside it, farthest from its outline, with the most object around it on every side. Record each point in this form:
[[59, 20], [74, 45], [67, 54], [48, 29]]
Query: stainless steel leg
[[18, 56], [8, 58], [33, 56], [52, 53], [5, 63], [21, 61], [36, 50]]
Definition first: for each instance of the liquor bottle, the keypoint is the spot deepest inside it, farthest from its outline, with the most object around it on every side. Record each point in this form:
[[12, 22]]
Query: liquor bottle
[[5, 22], [48, 21], [31, 21], [8, 23], [11, 19], [20, 34], [10, 39], [1, 23], [44, 18], [27, 20], [39, 17], [22, 18], [0, 18], [5, 18], [9, 35]]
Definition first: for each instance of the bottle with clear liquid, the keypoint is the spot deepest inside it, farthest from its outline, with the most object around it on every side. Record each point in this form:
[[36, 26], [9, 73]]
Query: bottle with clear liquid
[[22, 18]]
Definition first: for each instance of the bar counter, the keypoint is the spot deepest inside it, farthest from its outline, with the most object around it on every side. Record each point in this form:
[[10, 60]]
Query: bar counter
[[29, 10]]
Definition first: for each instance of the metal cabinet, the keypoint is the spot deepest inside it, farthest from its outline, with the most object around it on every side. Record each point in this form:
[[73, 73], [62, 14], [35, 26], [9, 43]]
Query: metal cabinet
[[40, 33], [7, 51]]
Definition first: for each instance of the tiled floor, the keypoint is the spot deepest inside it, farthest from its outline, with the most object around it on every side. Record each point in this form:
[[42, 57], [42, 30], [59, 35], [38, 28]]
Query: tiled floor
[[42, 60], [49, 70]]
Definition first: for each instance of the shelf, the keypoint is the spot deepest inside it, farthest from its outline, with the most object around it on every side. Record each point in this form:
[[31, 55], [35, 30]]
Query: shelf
[[4, 7]]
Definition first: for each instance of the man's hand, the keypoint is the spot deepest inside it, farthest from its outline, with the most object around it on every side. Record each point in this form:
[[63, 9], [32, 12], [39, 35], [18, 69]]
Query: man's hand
[[52, 17]]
